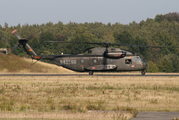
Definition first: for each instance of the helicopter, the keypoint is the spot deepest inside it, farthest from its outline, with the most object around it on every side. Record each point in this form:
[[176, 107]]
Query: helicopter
[[95, 59]]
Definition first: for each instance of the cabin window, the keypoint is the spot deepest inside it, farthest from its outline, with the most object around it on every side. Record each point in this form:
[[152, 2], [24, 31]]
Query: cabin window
[[94, 61], [110, 60], [113, 48], [82, 61], [128, 61], [89, 51]]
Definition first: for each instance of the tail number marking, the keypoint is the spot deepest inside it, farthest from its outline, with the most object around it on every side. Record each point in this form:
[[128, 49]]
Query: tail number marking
[[68, 62]]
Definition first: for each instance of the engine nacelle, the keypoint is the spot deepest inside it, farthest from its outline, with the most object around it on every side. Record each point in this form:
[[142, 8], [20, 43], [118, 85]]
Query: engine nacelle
[[115, 55]]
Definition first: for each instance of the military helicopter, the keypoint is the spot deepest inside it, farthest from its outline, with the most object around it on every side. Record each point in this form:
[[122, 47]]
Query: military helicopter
[[96, 59]]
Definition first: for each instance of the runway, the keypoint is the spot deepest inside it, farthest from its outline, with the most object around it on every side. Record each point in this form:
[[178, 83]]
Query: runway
[[157, 116], [98, 74]]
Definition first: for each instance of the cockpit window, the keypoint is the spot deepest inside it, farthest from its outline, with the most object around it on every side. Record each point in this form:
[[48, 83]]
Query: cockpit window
[[94, 61], [110, 60], [128, 61], [82, 61], [89, 51]]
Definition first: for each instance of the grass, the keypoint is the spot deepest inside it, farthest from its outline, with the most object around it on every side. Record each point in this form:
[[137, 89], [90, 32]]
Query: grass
[[119, 97], [13, 63], [27, 119]]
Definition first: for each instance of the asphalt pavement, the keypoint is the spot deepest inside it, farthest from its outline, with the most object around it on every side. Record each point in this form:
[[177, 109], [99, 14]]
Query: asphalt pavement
[[157, 116]]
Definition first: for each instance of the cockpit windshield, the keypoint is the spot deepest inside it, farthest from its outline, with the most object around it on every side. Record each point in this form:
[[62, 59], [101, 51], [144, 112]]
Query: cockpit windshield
[[140, 59]]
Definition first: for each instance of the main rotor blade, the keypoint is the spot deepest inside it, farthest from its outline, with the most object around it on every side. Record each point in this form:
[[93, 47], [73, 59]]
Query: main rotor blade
[[138, 46], [71, 42], [107, 44], [101, 43]]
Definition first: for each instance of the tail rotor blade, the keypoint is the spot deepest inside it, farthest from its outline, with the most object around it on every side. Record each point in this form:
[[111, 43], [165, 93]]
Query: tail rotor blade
[[31, 36], [13, 48], [16, 34]]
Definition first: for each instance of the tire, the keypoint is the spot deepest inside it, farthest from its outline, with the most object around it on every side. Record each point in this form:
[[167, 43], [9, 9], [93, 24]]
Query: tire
[[90, 72], [143, 72]]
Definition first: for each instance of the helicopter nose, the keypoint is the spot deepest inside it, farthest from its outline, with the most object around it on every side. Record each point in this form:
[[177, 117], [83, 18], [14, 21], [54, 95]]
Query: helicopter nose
[[145, 64]]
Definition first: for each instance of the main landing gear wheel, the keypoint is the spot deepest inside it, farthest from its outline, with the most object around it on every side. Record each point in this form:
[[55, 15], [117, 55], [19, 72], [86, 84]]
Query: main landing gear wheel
[[90, 72], [143, 72]]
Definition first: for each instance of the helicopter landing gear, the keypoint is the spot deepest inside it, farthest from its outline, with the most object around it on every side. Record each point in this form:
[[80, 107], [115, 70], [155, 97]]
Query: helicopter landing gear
[[90, 72], [143, 72]]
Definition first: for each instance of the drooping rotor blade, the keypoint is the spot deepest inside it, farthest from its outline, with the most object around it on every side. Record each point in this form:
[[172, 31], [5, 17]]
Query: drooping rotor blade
[[16, 34]]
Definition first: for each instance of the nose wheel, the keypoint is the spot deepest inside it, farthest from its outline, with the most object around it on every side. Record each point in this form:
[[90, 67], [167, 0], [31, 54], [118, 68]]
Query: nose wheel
[[143, 72], [90, 72]]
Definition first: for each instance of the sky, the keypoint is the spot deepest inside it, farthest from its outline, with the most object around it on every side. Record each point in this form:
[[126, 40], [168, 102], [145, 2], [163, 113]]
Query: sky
[[22, 12]]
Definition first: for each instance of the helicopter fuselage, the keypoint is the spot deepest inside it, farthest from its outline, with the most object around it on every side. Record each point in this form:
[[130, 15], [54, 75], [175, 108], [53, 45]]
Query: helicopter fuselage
[[100, 59]]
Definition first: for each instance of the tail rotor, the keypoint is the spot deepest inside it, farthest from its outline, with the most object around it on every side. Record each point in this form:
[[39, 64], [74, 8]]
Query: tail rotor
[[24, 43]]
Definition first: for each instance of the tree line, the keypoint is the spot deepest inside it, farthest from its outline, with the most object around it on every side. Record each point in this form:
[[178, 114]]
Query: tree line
[[163, 30]]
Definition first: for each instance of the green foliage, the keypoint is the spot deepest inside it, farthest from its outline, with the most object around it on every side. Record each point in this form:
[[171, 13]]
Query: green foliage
[[174, 61], [123, 38], [163, 39], [152, 67], [159, 18], [2, 44], [165, 65], [141, 50], [82, 35]]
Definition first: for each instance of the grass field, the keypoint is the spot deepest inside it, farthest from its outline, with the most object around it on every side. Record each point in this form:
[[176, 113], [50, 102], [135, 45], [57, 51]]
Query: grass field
[[15, 64], [81, 97]]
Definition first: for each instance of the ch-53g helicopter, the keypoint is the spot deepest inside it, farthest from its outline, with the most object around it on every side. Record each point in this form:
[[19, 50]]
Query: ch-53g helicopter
[[96, 59]]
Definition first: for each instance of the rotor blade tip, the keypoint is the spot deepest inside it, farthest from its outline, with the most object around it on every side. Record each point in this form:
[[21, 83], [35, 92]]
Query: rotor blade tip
[[14, 31], [10, 50]]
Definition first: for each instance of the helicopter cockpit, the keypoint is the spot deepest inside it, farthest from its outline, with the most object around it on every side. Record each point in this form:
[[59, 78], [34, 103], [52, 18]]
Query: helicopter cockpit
[[141, 61]]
